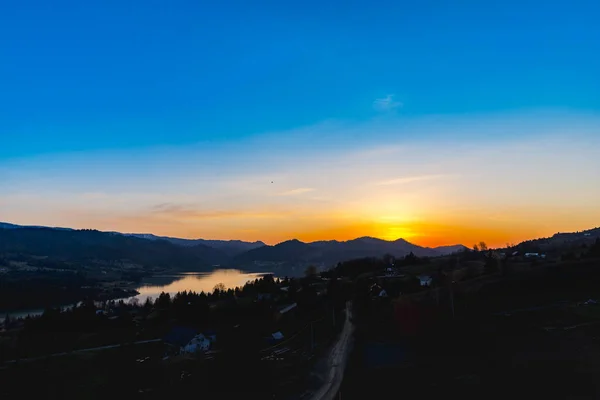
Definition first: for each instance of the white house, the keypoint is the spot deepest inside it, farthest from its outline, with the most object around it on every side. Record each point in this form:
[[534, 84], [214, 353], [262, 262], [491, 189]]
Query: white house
[[197, 344], [425, 280], [534, 255]]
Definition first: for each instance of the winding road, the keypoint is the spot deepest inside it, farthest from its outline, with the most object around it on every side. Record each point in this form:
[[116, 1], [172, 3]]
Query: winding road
[[335, 362]]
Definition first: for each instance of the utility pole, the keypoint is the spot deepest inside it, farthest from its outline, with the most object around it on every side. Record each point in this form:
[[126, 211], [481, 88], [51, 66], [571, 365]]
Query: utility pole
[[312, 338], [452, 296], [333, 316], [452, 286]]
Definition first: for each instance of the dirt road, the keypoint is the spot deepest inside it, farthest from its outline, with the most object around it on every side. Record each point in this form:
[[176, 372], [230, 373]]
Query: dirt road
[[335, 364]]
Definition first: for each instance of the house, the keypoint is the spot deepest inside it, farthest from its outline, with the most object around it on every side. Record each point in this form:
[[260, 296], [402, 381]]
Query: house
[[287, 308], [534, 255], [264, 296], [198, 343], [287, 311], [277, 335], [179, 337], [425, 280], [375, 290]]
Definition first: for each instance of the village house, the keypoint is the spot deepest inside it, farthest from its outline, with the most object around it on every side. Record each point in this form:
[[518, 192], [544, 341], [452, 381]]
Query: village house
[[425, 280]]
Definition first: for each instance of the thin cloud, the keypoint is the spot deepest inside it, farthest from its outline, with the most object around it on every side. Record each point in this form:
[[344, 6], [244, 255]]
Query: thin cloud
[[297, 191], [179, 212], [386, 103], [410, 179]]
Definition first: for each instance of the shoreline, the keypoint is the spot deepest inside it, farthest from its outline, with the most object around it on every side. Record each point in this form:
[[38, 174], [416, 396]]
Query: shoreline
[[120, 292]]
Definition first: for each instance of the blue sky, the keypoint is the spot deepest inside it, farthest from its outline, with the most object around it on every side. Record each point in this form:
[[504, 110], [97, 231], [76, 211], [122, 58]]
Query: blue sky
[[133, 93]]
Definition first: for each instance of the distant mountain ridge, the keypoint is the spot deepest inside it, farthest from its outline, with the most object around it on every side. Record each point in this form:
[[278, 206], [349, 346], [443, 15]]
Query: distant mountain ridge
[[334, 251], [235, 253], [95, 247], [229, 247], [201, 254]]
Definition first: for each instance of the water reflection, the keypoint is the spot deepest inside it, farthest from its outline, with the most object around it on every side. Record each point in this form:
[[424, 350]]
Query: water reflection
[[193, 281], [172, 283]]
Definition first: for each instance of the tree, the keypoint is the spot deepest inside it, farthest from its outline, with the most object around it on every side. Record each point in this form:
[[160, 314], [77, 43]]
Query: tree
[[163, 301], [491, 265], [388, 259], [475, 248], [483, 246], [594, 250], [310, 271], [411, 259], [148, 303], [219, 287]]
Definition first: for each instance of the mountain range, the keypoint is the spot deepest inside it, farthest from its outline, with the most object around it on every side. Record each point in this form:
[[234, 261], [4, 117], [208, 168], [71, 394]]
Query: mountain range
[[149, 249]]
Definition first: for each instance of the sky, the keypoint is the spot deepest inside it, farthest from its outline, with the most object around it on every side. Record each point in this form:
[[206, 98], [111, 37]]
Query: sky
[[436, 122]]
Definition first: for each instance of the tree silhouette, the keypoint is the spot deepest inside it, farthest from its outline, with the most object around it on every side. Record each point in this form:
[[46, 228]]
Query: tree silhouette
[[219, 287], [388, 259], [310, 271], [163, 301], [148, 303]]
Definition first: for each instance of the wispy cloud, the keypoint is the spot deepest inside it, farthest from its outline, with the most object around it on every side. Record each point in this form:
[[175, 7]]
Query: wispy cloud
[[297, 191], [386, 103], [410, 179], [181, 212]]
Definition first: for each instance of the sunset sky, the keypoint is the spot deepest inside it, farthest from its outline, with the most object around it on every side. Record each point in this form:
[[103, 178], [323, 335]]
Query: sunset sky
[[269, 121]]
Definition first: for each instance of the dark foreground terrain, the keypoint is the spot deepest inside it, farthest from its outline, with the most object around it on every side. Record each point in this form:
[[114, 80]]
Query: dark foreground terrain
[[529, 336]]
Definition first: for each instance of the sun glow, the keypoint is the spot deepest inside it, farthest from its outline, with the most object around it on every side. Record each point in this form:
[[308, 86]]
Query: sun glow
[[394, 232]]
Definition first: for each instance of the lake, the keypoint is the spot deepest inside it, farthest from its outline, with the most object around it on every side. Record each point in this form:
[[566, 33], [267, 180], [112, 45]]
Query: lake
[[193, 281], [173, 283]]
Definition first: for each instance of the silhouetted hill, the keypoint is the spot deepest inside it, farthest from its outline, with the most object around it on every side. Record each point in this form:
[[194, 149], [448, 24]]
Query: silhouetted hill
[[445, 250], [152, 250], [289, 251], [560, 242], [334, 251], [91, 245], [229, 247]]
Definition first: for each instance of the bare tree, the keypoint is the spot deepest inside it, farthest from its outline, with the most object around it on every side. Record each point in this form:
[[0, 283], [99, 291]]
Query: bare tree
[[219, 287], [475, 247], [482, 246]]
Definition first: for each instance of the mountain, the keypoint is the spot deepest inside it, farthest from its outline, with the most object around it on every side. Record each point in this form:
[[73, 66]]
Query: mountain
[[90, 246], [333, 251], [289, 251], [148, 249], [560, 242], [229, 247], [6, 225], [445, 250]]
